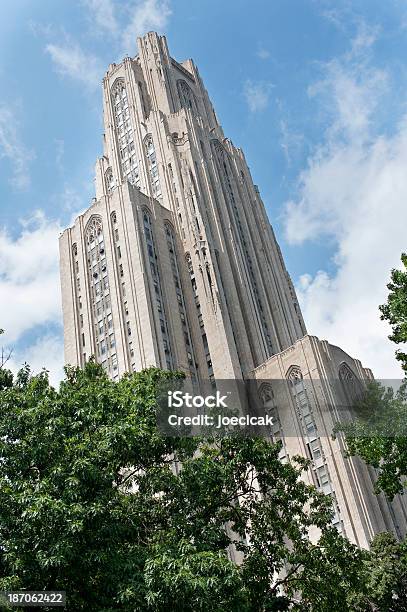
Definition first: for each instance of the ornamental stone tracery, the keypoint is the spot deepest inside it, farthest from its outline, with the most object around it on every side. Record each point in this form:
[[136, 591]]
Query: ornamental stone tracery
[[186, 96]]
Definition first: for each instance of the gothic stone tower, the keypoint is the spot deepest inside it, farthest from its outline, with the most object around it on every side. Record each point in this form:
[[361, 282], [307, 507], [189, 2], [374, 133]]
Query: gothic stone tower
[[175, 263]]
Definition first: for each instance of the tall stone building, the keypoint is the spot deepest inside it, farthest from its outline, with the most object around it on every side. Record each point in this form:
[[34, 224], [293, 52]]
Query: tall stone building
[[175, 264]]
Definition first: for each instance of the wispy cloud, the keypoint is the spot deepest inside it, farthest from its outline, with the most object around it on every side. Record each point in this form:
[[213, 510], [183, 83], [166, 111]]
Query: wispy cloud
[[257, 94], [103, 16], [71, 60], [122, 22], [13, 149], [144, 16], [29, 276], [365, 38], [46, 351], [126, 20], [263, 53], [29, 285], [352, 88], [354, 190], [291, 142], [72, 201]]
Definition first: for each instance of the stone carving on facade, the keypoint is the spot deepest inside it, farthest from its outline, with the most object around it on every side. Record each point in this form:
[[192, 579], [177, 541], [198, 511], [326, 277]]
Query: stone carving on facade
[[265, 393], [186, 96]]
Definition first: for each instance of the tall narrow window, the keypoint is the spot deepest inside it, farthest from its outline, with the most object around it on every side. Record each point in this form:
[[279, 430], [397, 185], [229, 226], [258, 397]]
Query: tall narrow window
[[142, 98], [266, 395], [207, 352], [350, 383], [181, 303], [109, 180], [227, 177], [152, 167], [99, 288], [312, 438], [157, 294], [125, 135], [186, 96]]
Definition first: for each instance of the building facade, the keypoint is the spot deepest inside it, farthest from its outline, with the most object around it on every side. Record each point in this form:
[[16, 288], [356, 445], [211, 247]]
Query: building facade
[[309, 388], [175, 263], [184, 233]]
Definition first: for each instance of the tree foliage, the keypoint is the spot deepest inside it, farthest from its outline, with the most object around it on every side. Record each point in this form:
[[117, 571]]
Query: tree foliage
[[95, 501], [379, 435], [379, 432], [386, 572], [395, 309]]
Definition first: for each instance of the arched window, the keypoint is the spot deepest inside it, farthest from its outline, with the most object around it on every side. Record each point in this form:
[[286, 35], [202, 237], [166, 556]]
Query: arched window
[[93, 230], [76, 265], [169, 233], [152, 167], [266, 396], [109, 180], [312, 439], [103, 329], [200, 319], [186, 96], [351, 384], [124, 134], [299, 393], [143, 102], [157, 294], [346, 374]]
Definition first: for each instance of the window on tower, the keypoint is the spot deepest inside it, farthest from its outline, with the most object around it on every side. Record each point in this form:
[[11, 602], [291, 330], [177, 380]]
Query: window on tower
[[125, 136], [99, 289], [186, 96], [152, 167], [158, 295]]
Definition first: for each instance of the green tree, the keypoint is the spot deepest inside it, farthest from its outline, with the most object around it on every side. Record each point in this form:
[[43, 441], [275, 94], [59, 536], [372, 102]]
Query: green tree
[[379, 435], [5, 375], [395, 309], [379, 432], [90, 503], [386, 573]]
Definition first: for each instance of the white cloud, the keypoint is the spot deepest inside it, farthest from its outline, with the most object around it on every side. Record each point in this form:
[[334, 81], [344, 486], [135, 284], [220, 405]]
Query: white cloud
[[71, 60], [291, 142], [41, 30], [46, 352], [103, 16], [263, 54], [257, 95], [72, 201], [144, 16], [365, 38], [30, 296], [12, 149], [334, 16], [29, 277], [354, 190], [351, 92], [123, 22]]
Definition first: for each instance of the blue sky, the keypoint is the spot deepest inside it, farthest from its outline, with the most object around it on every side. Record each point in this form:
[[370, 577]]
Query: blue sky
[[314, 92]]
